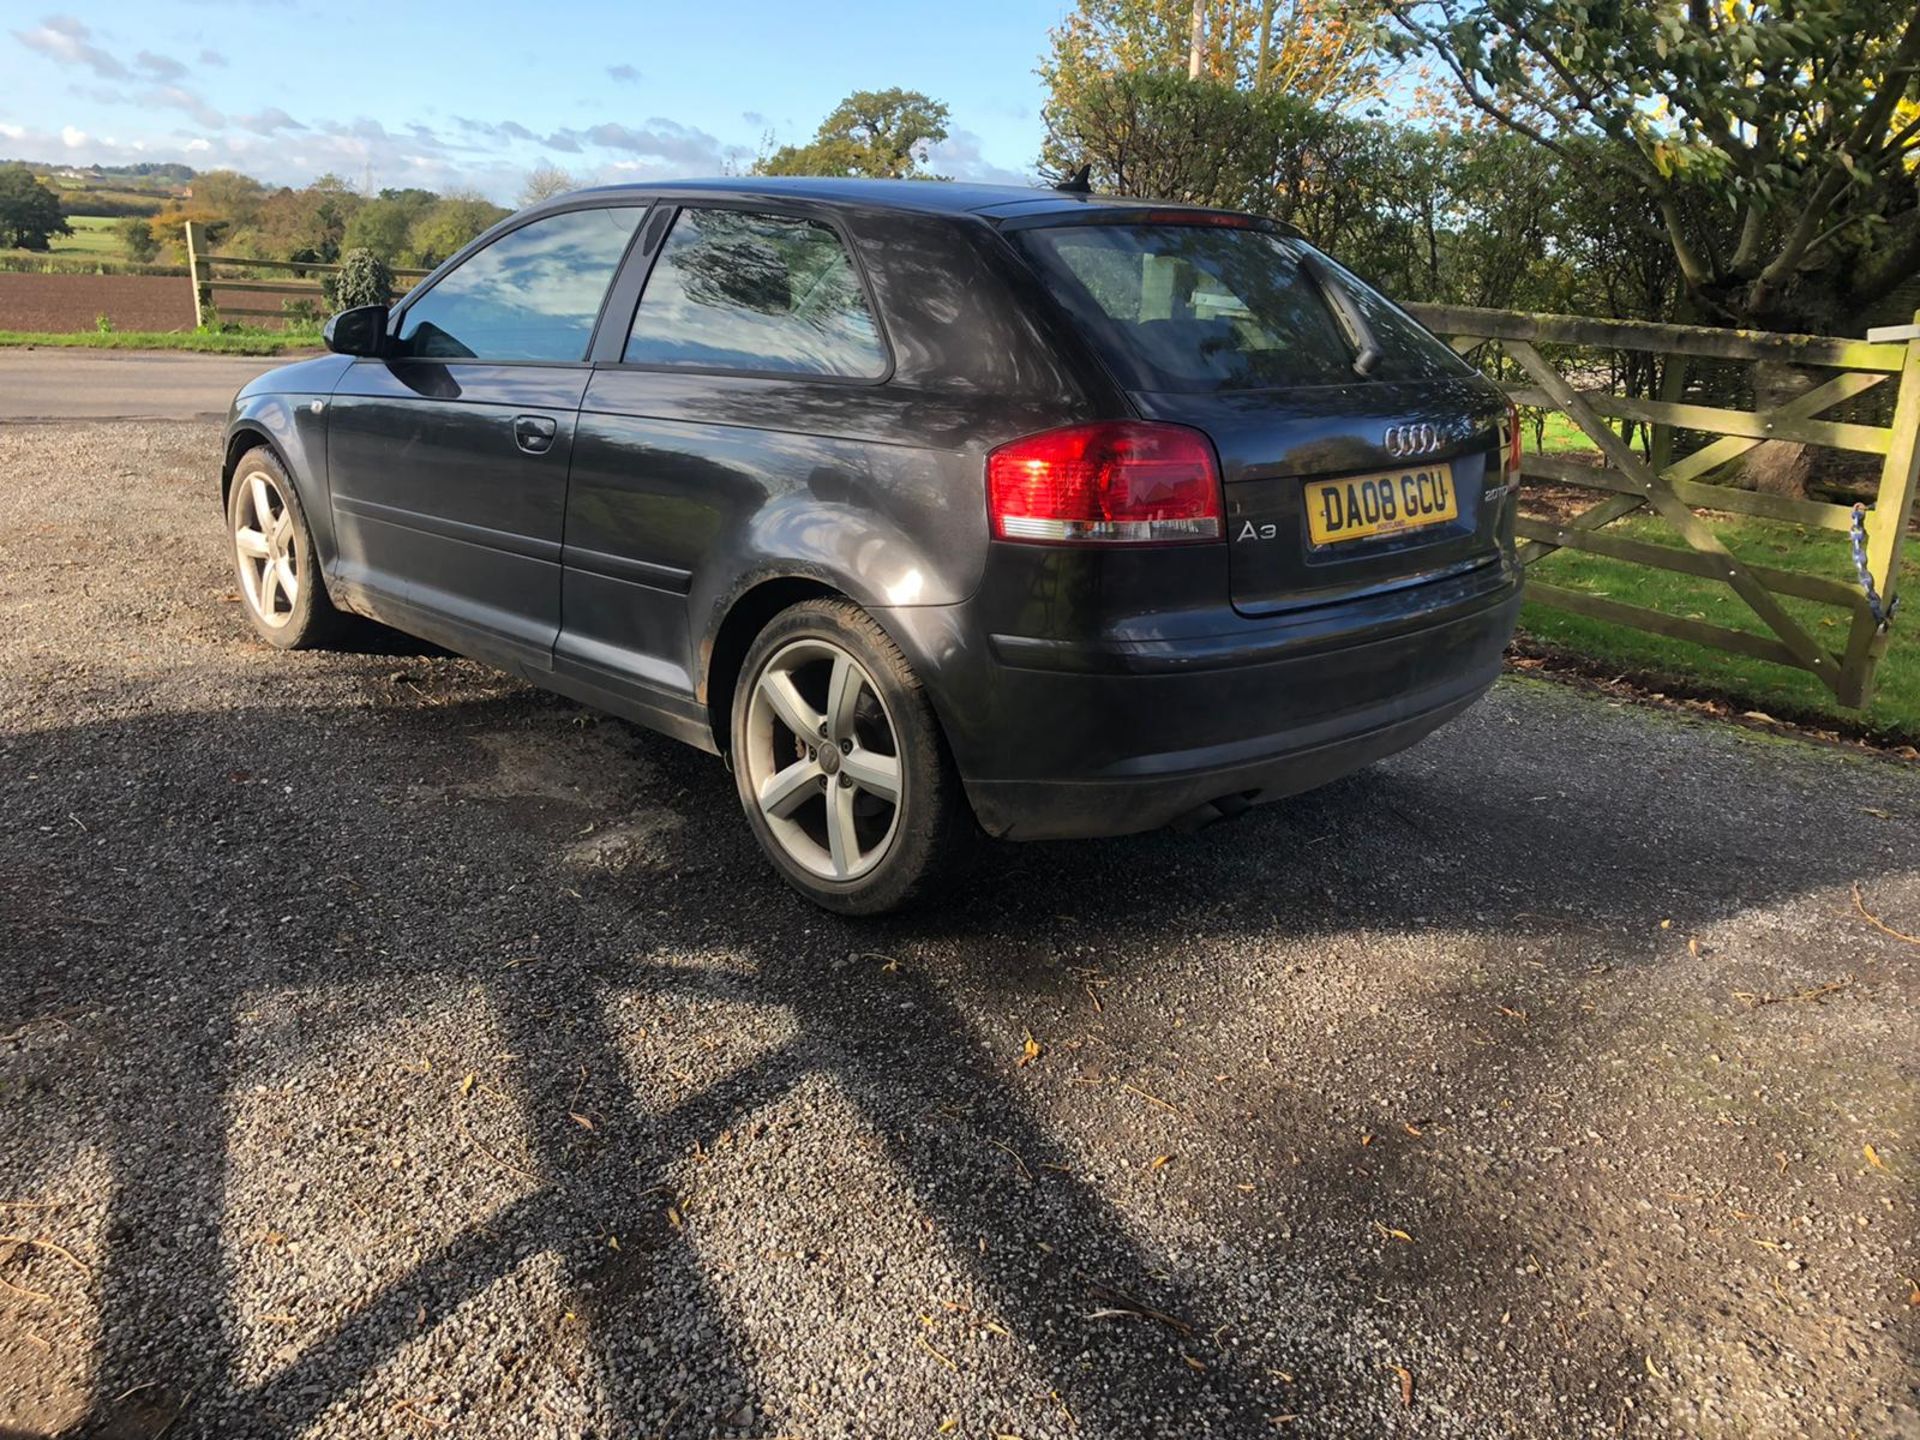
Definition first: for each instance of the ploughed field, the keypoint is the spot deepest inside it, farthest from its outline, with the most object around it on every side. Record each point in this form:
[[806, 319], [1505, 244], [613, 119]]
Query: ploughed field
[[35, 302], [387, 1049]]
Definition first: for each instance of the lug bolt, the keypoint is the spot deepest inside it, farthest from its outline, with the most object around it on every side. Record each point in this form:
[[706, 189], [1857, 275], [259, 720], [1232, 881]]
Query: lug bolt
[[812, 754], [823, 782], [823, 729], [846, 781], [846, 747]]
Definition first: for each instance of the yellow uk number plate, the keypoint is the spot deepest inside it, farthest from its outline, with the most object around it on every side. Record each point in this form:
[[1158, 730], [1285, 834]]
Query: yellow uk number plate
[[1364, 505]]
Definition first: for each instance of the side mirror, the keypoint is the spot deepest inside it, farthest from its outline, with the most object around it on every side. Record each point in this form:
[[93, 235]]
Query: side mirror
[[359, 331]]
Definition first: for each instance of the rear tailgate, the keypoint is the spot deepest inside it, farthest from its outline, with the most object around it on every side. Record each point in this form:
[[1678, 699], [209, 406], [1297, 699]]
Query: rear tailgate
[[1333, 491], [1358, 452]]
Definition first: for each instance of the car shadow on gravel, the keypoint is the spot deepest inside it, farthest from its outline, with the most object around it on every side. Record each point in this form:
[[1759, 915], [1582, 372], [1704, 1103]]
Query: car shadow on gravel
[[134, 892]]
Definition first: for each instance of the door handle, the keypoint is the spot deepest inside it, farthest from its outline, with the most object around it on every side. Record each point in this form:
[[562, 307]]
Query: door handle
[[534, 433]]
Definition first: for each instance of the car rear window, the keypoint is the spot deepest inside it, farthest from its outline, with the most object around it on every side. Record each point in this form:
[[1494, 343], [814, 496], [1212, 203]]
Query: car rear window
[[1197, 308]]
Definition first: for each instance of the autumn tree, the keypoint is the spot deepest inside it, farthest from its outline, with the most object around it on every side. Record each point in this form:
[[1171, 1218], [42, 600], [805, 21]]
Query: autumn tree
[[1320, 52], [885, 134]]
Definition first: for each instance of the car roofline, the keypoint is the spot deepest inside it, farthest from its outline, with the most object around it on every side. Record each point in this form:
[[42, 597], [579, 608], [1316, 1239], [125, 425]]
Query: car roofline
[[994, 203]]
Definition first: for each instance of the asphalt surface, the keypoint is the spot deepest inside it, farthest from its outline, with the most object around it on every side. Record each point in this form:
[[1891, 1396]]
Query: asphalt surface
[[57, 384], [388, 1049]]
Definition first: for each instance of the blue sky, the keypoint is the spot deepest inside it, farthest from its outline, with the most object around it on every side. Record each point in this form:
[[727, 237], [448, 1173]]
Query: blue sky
[[474, 95]]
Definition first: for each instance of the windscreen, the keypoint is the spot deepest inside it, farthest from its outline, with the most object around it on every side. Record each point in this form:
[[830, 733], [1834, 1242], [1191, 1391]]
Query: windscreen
[[1199, 308]]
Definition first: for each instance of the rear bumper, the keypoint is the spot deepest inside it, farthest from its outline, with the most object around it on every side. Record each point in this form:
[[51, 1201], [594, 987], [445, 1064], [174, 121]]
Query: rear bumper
[[1058, 740]]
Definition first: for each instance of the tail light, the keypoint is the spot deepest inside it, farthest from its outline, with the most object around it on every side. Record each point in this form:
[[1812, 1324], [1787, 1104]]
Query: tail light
[[1513, 446], [1116, 482]]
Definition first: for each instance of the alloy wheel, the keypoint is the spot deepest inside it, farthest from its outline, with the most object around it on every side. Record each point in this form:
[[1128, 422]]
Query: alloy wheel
[[263, 543], [823, 759]]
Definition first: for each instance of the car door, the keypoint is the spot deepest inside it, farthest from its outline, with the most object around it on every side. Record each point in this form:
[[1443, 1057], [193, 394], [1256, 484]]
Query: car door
[[448, 456], [736, 384]]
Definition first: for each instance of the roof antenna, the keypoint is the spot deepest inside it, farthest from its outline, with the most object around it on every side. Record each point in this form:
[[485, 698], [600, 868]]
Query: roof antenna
[[1078, 183]]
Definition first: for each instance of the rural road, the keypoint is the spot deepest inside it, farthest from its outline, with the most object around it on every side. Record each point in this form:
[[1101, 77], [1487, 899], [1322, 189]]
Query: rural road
[[55, 384], [390, 1050]]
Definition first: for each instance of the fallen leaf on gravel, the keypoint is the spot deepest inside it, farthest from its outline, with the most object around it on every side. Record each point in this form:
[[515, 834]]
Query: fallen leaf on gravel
[[1914, 1298], [1873, 1157], [582, 1121], [1193, 1364], [1029, 1052], [673, 1218], [948, 1425], [1366, 1138], [466, 1085], [1666, 924], [1654, 1370], [1693, 947], [936, 1354], [1159, 1162], [1413, 1130], [1877, 814], [1406, 1385], [1392, 1234]]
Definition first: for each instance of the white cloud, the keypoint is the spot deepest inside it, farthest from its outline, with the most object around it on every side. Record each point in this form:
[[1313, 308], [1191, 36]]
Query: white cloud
[[66, 41], [959, 155], [199, 147], [161, 67], [71, 138]]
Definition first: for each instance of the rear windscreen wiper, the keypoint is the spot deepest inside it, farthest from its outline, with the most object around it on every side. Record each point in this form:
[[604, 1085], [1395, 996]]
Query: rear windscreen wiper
[[1366, 349]]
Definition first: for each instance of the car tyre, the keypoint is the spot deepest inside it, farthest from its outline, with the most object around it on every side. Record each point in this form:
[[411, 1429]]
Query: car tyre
[[841, 765], [275, 565]]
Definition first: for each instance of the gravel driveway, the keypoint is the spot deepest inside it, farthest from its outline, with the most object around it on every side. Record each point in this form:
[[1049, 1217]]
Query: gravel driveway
[[388, 1049]]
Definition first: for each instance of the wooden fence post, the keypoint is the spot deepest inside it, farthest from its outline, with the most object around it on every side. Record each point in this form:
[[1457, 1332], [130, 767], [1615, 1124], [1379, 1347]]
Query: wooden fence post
[[1899, 476], [1892, 507], [200, 272]]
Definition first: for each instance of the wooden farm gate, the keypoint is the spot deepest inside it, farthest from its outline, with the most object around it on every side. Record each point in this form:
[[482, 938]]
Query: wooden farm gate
[[1674, 489]]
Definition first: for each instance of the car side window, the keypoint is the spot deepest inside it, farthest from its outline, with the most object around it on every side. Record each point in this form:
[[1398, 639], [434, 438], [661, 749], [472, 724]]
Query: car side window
[[533, 294], [742, 290]]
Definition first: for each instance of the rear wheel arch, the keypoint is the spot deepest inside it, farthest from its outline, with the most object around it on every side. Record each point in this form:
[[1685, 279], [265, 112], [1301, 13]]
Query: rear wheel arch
[[746, 617], [750, 613]]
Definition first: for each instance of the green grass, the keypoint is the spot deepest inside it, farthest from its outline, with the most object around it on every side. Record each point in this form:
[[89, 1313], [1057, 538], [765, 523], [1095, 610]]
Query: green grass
[[93, 235], [94, 238], [1560, 435], [212, 342], [1749, 684]]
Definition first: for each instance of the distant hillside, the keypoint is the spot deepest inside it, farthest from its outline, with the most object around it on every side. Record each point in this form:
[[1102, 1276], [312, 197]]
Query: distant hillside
[[157, 173]]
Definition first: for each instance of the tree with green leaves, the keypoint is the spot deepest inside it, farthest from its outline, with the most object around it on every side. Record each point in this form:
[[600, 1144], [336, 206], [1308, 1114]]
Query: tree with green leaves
[[1777, 144], [885, 134], [447, 224], [137, 238], [29, 212]]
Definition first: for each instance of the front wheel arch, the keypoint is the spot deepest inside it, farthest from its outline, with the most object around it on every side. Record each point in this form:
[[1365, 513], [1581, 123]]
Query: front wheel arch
[[243, 439]]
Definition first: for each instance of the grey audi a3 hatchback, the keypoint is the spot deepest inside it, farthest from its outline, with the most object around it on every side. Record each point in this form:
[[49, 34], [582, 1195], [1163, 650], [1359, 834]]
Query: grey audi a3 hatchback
[[932, 508]]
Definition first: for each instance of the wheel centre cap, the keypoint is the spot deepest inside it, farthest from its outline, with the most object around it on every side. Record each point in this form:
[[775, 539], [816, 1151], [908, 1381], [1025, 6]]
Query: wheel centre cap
[[829, 759]]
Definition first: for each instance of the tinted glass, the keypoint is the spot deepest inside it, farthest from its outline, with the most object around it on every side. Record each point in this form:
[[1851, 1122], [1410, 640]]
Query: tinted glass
[[531, 295], [736, 290], [1408, 350], [1204, 308]]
